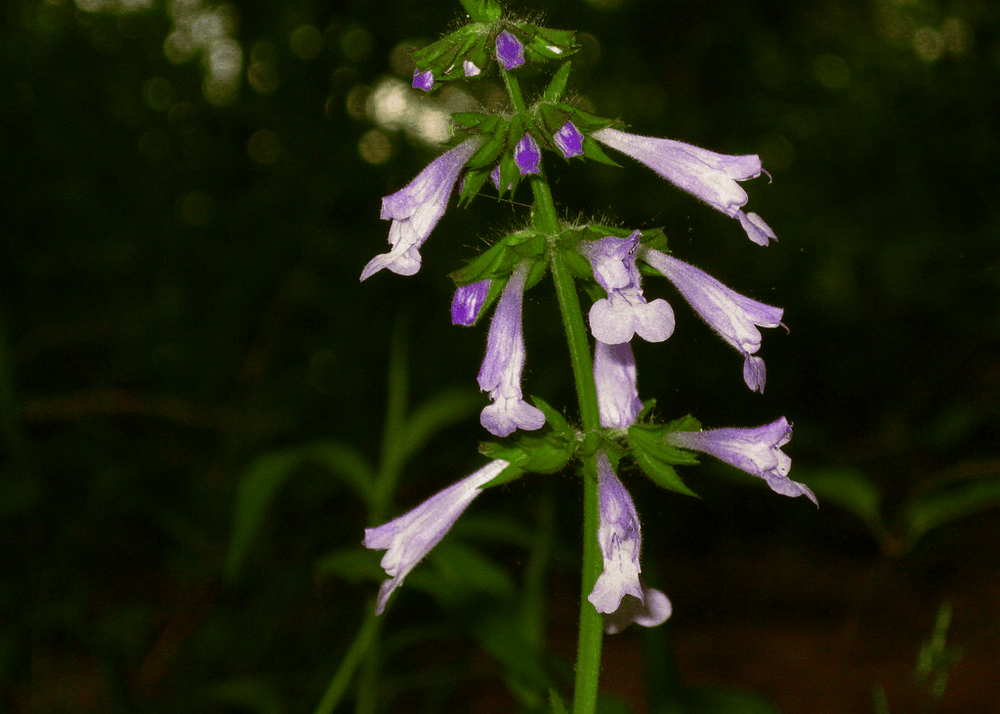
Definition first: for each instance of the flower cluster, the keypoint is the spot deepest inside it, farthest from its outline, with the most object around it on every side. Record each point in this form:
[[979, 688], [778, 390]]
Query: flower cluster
[[505, 150]]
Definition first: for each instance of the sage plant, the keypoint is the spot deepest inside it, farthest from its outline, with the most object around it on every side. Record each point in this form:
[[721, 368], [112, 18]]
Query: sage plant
[[504, 151]]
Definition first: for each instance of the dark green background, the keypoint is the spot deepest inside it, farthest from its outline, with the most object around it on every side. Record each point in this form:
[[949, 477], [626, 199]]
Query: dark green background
[[173, 307]]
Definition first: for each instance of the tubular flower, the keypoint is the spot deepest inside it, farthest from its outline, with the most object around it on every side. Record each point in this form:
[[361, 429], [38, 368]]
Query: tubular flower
[[527, 155], [619, 594], [617, 394], [469, 300], [732, 315], [569, 140], [625, 311], [411, 536], [510, 51], [416, 208], [704, 174], [756, 451], [500, 374]]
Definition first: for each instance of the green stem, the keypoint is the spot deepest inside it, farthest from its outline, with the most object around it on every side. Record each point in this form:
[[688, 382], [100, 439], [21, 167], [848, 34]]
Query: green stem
[[514, 92], [588, 654]]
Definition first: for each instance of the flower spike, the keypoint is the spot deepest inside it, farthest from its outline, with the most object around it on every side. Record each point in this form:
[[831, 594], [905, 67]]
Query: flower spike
[[411, 536], [734, 316], [500, 374], [625, 311], [704, 174], [416, 208], [619, 594], [756, 451]]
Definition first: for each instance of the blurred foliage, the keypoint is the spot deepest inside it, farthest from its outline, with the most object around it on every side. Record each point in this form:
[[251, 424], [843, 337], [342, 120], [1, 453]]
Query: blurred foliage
[[190, 191]]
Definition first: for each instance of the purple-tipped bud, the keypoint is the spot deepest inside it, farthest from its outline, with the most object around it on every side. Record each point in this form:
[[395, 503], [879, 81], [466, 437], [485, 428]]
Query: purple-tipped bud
[[470, 68], [756, 451], [510, 51], [411, 536], [469, 300], [619, 594], [423, 80], [569, 140], [527, 155]]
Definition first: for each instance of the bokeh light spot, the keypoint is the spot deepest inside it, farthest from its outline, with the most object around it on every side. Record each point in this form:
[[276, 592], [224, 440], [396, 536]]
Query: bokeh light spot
[[306, 42], [158, 93], [356, 43], [928, 44], [831, 71], [195, 209], [264, 147], [375, 147]]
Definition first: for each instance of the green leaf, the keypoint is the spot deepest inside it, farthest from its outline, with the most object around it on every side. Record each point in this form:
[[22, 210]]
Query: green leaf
[[556, 703], [352, 565], [432, 416], [483, 10], [257, 490], [593, 150], [657, 458], [924, 514], [851, 490], [557, 85], [459, 569]]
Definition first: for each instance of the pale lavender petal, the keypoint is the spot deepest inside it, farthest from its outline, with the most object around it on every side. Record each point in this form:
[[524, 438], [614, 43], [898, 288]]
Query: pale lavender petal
[[704, 174], [619, 593], [470, 68], [754, 450], [758, 231], [527, 155], [620, 540], [416, 208], [423, 80], [652, 610], [411, 536], [624, 312], [733, 316], [617, 392], [569, 140], [500, 374], [469, 300], [510, 51]]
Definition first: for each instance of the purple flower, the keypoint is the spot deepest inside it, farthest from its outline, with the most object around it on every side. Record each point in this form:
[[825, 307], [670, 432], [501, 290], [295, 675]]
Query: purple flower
[[732, 315], [709, 176], [619, 594], [756, 451], [625, 311], [470, 68], [510, 51], [423, 80], [411, 536], [569, 140], [527, 156], [500, 374], [617, 394], [469, 300], [416, 208]]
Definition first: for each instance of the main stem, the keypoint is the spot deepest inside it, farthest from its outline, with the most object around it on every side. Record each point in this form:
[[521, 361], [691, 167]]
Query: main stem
[[544, 218], [588, 653]]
